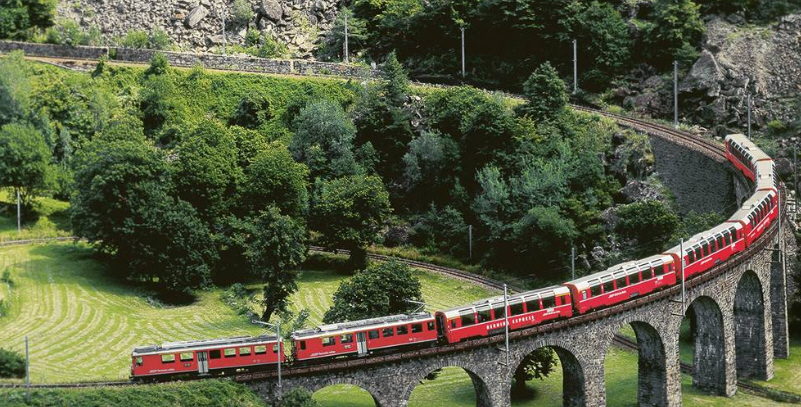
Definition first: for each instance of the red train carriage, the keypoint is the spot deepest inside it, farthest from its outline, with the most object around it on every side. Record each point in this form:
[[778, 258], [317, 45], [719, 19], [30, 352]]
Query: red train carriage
[[622, 282], [744, 154], [486, 317], [766, 177], [756, 214], [706, 249], [364, 337], [204, 357]]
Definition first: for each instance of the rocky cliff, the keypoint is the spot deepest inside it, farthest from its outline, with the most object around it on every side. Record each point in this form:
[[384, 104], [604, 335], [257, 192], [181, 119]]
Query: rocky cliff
[[197, 24]]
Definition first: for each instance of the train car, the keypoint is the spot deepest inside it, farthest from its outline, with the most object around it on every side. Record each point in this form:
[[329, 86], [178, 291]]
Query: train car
[[757, 214], [360, 338], [487, 317], [622, 282], [706, 249], [204, 357], [766, 176], [744, 154]]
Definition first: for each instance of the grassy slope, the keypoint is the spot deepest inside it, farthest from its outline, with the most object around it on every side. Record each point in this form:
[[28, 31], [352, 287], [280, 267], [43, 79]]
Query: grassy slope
[[51, 219], [209, 393]]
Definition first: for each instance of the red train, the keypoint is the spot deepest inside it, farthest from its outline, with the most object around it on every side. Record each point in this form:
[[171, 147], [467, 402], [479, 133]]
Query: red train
[[487, 317]]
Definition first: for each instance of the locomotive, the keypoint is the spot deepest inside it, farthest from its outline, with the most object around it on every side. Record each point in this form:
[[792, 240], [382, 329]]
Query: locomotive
[[616, 284]]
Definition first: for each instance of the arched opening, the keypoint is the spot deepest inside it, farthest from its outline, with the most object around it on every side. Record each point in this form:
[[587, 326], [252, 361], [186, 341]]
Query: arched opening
[[637, 343], [450, 386], [702, 345], [342, 395], [539, 380], [749, 328]]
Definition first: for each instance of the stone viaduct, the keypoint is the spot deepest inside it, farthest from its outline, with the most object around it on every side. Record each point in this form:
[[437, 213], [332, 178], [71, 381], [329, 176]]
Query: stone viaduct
[[740, 323]]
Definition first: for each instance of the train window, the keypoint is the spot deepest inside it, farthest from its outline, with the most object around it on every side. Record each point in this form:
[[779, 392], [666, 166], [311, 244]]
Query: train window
[[468, 318], [595, 288], [532, 304], [621, 282], [302, 345], [416, 328], [373, 334], [139, 361], [584, 294], [346, 338], [229, 353], [609, 286], [214, 354], [170, 358], [329, 341], [499, 312], [259, 349], [403, 330], [648, 273], [635, 278], [453, 323], [690, 257], [720, 242], [705, 249], [659, 270], [244, 351], [548, 302], [698, 254], [186, 356], [516, 308], [275, 348], [483, 314], [430, 325], [726, 239], [387, 332]]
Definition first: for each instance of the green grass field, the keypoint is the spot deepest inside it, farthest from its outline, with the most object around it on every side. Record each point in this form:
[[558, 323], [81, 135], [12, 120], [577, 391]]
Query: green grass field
[[50, 219]]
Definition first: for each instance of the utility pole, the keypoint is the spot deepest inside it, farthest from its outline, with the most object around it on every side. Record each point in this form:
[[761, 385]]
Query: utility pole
[[19, 213], [277, 327], [683, 291], [222, 15], [795, 172], [573, 262], [27, 370], [506, 320], [749, 115], [575, 67], [346, 36], [676, 94], [463, 69], [470, 241]]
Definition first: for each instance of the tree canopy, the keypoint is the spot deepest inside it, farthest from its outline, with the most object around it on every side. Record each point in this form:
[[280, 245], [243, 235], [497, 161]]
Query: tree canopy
[[24, 159]]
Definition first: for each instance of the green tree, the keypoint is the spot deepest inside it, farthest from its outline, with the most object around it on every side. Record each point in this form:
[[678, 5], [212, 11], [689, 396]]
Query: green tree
[[253, 111], [430, 168], [12, 364], [675, 34], [270, 246], [536, 365], [206, 170], [324, 140], [382, 289], [24, 160], [652, 223], [242, 12], [349, 212], [299, 397], [19, 19], [158, 103], [159, 65], [15, 88], [396, 85], [332, 47], [605, 44], [274, 178], [545, 92]]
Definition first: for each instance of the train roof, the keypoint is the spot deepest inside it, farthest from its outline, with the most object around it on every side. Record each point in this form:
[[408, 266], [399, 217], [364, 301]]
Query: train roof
[[342, 327], [517, 297], [699, 238], [749, 205], [170, 347], [756, 153], [625, 267], [766, 175]]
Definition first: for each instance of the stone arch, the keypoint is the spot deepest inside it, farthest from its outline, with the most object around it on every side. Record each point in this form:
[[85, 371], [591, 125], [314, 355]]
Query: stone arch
[[709, 357], [480, 386], [347, 381], [652, 388], [750, 327], [574, 391]]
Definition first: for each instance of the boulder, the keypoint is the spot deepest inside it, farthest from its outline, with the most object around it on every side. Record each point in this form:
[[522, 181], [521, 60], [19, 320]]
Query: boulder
[[195, 16], [637, 190], [706, 75], [271, 9]]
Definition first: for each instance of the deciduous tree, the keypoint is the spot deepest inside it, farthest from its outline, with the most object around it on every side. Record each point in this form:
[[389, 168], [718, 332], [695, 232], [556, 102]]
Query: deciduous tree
[[24, 160]]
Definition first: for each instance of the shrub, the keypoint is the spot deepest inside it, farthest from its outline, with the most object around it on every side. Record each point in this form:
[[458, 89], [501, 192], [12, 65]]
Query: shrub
[[135, 39], [299, 397], [6, 277], [159, 40], [12, 364], [242, 12]]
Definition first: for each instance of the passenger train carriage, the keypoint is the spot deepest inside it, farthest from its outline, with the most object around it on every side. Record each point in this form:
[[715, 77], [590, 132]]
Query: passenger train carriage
[[364, 337], [205, 357], [612, 286]]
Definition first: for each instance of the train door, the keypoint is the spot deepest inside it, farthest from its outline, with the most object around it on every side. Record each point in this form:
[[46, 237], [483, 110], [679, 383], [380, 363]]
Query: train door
[[203, 362], [361, 343]]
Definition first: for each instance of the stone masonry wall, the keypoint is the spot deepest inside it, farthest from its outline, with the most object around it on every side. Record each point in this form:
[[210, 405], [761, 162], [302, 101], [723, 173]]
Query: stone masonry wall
[[186, 59]]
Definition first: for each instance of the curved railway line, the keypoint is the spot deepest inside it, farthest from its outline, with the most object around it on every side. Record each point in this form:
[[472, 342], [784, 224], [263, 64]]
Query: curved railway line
[[710, 148]]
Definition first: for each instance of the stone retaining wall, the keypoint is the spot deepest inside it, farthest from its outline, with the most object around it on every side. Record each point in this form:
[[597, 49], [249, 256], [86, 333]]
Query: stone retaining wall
[[187, 59]]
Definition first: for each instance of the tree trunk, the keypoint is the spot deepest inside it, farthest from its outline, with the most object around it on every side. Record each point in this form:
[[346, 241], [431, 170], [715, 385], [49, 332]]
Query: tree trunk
[[519, 385], [358, 258]]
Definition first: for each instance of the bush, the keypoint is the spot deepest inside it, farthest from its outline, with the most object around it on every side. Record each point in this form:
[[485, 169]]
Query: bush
[[6, 277], [135, 39], [299, 397], [545, 92], [159, 40], [241, 12], [12, 364]]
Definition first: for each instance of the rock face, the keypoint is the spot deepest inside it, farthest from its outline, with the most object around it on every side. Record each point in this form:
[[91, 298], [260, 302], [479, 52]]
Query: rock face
[[764, 62], [196, 24]]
